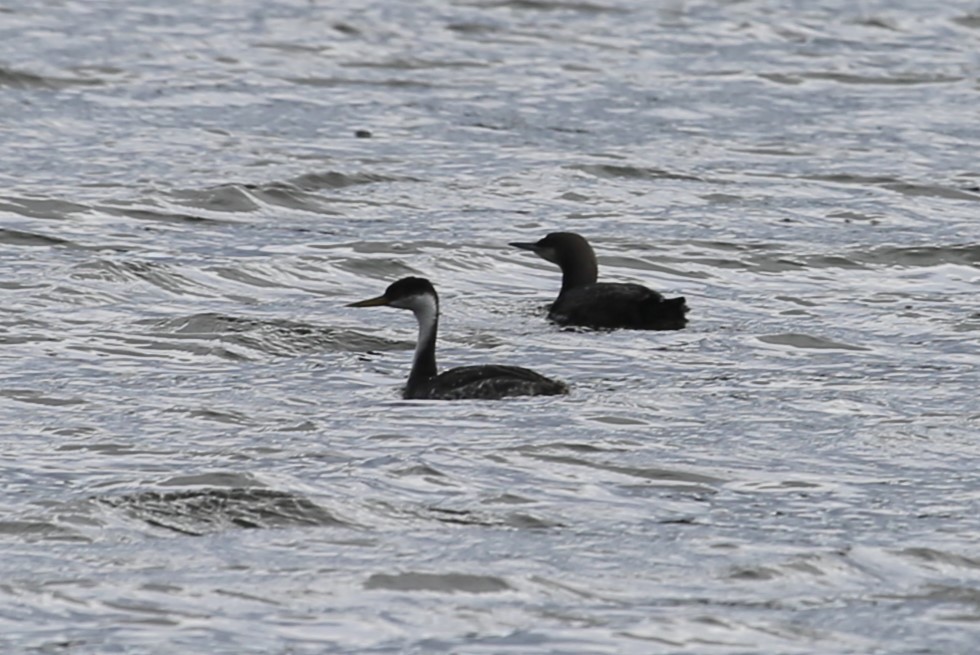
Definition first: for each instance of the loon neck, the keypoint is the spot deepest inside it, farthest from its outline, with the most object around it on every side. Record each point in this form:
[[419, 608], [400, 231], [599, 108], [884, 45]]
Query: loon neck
[[578, 271], [576, 258], [426, 312]]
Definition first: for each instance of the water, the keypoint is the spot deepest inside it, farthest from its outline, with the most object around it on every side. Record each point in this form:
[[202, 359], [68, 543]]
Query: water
[[205, 451]]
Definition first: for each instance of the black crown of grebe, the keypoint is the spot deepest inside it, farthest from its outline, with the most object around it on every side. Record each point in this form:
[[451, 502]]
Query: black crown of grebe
[[585, 302], [489, 382]]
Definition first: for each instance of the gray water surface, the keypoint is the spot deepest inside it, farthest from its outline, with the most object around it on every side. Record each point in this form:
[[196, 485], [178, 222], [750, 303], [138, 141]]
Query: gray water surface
[[205, 451]]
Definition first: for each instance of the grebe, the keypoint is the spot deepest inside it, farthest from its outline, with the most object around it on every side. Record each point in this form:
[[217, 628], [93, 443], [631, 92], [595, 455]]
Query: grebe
[[490, 382]]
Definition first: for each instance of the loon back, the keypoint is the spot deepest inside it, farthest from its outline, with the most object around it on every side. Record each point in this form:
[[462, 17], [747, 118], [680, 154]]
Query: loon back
[[615, 305]]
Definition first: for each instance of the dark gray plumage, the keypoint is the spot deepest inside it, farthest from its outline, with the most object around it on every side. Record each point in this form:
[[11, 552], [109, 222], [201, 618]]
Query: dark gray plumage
[[488, 382], [585, 302]]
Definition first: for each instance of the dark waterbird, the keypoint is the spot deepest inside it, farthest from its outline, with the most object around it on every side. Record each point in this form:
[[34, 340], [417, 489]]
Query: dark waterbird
[[489, 382], [585, 302]]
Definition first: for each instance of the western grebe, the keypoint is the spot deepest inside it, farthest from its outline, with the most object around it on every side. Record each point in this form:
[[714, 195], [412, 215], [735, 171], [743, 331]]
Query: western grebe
[[481, 382]]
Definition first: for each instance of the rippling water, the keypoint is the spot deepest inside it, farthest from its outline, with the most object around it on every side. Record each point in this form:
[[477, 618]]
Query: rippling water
[[205, 450]]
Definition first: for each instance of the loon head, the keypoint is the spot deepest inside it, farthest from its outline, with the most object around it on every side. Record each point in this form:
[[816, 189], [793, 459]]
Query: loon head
[[571, 252]]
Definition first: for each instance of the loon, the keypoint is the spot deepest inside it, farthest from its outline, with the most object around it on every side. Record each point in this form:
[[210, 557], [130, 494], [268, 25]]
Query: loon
[[584, 302], [489, 382]]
